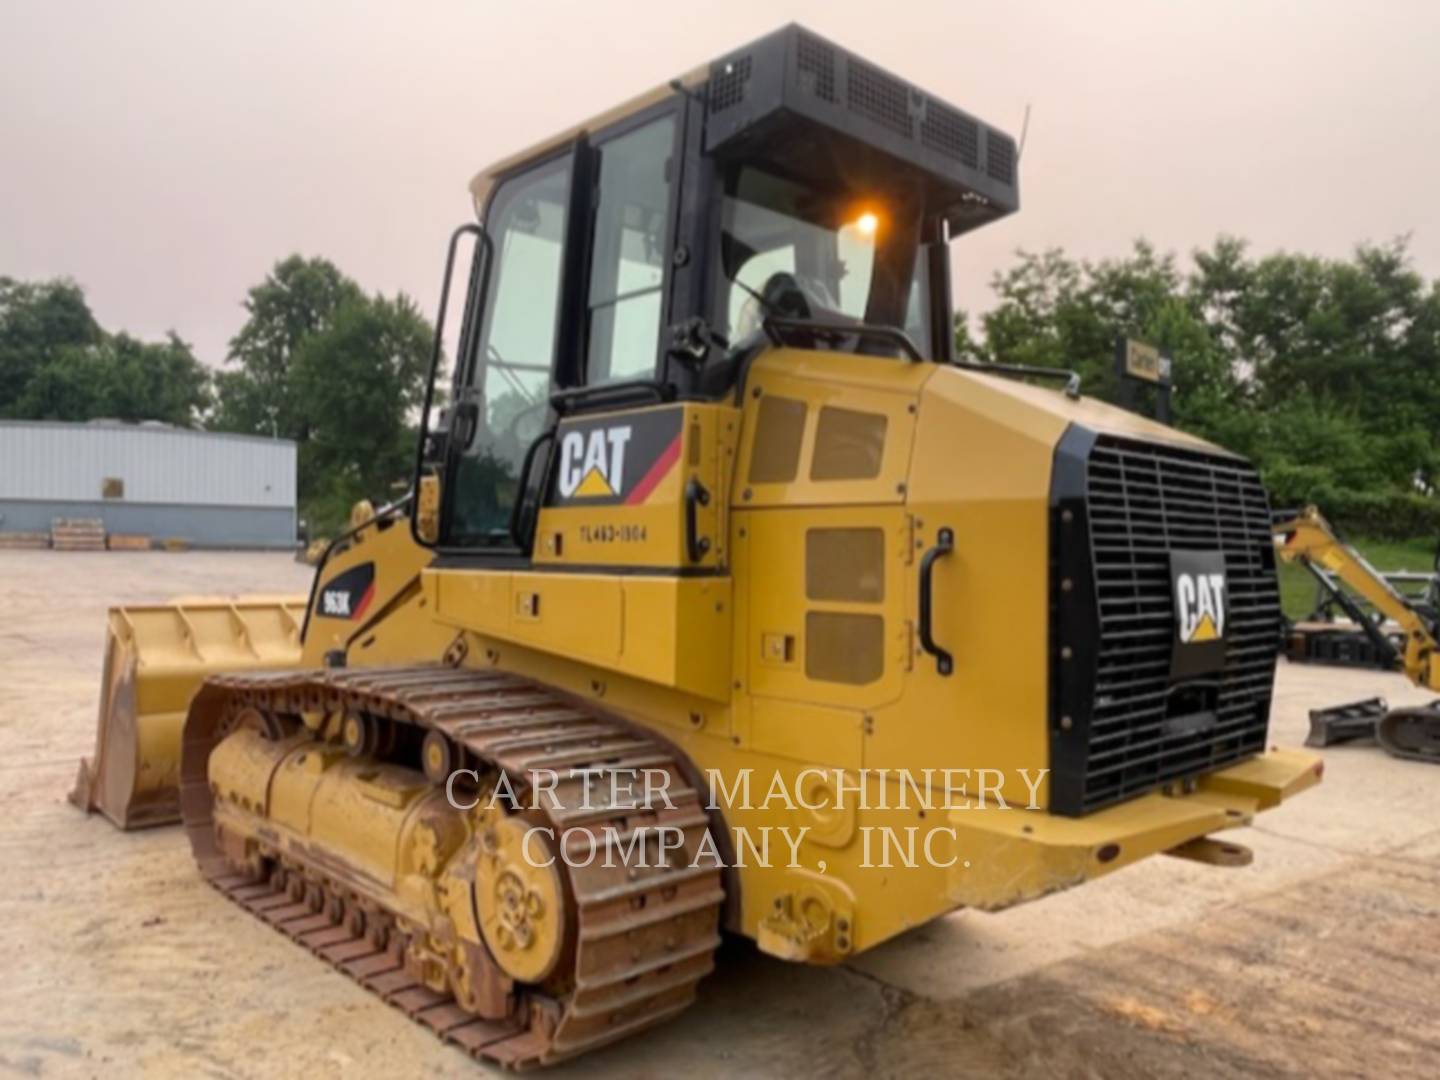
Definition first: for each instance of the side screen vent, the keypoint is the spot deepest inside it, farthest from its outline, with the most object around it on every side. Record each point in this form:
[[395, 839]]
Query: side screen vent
[[727, 87], [817, 67], [881, 97], [999, 157], [947, 132]]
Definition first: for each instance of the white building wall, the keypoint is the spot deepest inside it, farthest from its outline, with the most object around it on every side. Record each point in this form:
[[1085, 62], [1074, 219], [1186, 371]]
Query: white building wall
[[70, 462]]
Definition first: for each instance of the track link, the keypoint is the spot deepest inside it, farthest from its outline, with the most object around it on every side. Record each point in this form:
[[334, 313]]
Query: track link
[[643, 937]]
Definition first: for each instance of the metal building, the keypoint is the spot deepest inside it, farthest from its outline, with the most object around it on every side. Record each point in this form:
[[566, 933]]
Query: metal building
[[210, 489]]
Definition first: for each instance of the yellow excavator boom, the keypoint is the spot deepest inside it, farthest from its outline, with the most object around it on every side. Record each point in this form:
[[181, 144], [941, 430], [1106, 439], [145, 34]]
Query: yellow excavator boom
[[1309, 539]]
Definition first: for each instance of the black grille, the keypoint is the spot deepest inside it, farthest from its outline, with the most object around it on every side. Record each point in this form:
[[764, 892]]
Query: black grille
[[816, 61], [883, 98], [727, 87], [1122, 723], [952, 134]]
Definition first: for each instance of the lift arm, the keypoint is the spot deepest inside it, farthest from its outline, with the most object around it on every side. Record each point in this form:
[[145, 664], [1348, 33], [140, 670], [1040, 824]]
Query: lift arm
[[1307, 539]]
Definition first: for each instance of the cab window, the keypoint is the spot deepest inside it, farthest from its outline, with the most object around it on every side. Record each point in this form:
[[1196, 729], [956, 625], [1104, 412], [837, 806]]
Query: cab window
[[510, 372], [789, 249], [627, 267]]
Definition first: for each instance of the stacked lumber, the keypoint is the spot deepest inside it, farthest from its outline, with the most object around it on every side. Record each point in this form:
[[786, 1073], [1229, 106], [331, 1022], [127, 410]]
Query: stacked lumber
[[27, 540], [77, 534], [128, 542]]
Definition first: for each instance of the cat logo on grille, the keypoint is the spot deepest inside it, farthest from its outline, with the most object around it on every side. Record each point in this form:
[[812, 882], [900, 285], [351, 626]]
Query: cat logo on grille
[[1200, 607], [1201, 602]]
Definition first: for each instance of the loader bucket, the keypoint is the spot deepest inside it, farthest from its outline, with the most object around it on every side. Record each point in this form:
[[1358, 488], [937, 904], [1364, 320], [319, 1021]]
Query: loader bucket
[[156, 657]]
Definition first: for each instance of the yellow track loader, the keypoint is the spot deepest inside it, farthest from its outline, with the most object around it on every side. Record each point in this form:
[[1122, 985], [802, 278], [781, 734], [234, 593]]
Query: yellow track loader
[[727, 599]]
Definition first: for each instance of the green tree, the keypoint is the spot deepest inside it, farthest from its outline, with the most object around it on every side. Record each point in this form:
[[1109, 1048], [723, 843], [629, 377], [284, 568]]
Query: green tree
[[38, 320], [358, 384], [341, 373], [56, 363], [1057, 312], [298, 298], [1325, 371]]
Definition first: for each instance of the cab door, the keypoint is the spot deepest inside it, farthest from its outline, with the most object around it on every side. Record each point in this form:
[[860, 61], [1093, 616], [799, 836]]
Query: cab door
[[503, 385], [571, 306], [566, 401]]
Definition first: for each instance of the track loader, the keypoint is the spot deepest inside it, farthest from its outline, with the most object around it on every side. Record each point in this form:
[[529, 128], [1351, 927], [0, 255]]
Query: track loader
[[727, 599]]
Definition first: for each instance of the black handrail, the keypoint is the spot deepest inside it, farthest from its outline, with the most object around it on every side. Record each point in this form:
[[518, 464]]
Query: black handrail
[[487, 248], [776, 326], [522, 483], [1072, 378], [561, 400]]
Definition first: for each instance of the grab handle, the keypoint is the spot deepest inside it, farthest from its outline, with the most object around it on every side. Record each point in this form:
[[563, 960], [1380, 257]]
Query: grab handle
[[696, 546], [944, 544]]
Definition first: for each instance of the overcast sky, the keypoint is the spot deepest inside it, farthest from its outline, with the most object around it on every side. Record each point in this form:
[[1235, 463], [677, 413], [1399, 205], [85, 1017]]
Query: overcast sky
[[166, 154]]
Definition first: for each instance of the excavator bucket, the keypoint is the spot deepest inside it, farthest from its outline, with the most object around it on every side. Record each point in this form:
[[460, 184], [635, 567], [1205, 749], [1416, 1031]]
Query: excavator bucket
[[156, 657]]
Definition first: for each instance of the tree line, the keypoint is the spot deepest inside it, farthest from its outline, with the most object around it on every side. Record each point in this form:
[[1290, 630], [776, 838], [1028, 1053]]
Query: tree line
[[1325, 372]]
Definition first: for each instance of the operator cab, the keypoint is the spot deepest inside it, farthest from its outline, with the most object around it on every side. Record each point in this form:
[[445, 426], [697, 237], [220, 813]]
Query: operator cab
[[788, 193]]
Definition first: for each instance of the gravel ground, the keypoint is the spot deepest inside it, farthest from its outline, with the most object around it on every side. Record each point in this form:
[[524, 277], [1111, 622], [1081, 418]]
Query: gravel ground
[[1323, 958]]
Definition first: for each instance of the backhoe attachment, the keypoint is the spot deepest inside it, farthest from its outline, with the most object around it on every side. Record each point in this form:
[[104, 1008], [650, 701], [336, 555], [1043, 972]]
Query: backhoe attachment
[[1412, 733]]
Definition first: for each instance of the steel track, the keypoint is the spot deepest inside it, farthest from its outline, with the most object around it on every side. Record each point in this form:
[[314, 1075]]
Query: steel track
[[643, 938]]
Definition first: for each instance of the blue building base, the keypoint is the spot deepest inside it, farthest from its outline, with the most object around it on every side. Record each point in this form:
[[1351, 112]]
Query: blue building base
[[199, 526]]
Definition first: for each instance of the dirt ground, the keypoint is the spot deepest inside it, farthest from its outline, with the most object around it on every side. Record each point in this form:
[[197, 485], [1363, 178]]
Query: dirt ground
[[1323, 958]]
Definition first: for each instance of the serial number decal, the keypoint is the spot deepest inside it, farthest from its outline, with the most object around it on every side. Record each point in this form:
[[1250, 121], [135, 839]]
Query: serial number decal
[[612, 534]]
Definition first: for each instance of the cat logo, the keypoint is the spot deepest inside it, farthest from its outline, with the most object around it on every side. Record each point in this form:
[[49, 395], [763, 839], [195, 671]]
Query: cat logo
[[1200, 607], [592, 463], [615, 460], [1201, 603]]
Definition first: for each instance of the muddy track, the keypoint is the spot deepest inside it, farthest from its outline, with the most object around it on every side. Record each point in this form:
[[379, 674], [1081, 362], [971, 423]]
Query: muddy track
[[641, 939]]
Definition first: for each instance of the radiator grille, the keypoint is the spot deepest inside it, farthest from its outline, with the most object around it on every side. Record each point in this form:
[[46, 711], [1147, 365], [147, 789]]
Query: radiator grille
[[1142, 501]]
